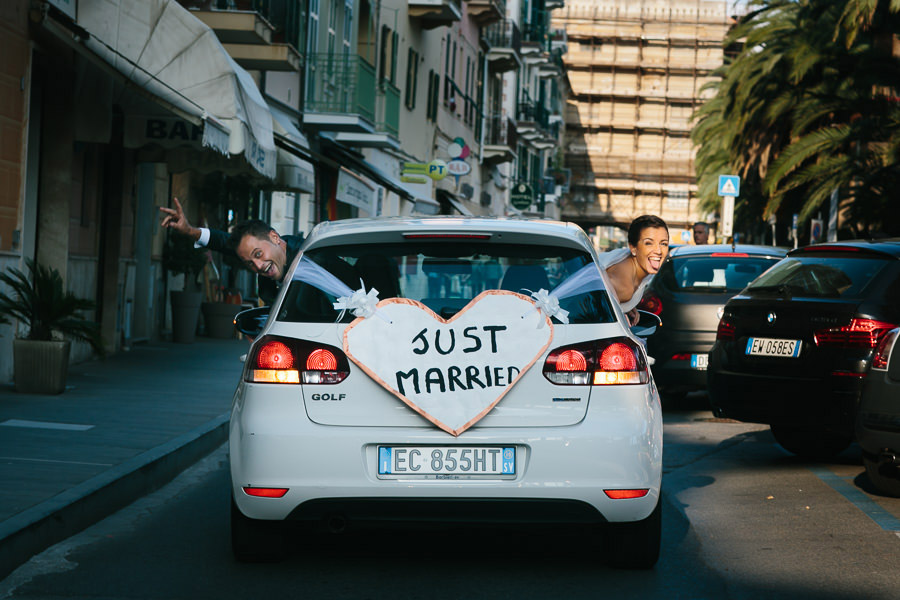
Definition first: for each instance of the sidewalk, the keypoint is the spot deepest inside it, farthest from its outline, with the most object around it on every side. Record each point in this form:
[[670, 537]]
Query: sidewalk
[[125, 426]]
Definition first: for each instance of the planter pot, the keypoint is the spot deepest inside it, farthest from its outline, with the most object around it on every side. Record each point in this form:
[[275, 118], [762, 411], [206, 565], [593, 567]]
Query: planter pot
[[40, 367], [219, 319], [185, 315]]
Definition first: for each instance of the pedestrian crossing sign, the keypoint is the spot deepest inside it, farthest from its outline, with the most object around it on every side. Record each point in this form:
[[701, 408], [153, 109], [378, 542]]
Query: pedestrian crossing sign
[[729, 185]]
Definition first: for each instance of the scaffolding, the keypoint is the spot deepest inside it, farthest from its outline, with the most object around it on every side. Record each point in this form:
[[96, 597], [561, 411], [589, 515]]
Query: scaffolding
[[636, 69]]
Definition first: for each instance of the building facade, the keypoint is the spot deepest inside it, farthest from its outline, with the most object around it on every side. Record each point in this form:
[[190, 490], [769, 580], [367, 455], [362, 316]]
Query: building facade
[[637, 71], [292, 111]]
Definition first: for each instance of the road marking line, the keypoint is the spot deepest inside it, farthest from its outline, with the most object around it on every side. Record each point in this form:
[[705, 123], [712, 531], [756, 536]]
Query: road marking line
[[62, 462], [45, 425], [858, 498]]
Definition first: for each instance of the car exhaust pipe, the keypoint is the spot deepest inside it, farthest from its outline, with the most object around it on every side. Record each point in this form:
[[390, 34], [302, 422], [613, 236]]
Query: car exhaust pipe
[[336, 524]]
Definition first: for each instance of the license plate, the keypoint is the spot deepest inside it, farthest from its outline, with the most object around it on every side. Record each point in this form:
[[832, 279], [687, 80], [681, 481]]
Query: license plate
[[446, 462], [773, 347], [698, 361]]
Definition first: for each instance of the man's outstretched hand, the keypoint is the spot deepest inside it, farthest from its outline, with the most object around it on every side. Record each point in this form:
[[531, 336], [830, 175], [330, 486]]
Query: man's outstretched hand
[[174, 219]]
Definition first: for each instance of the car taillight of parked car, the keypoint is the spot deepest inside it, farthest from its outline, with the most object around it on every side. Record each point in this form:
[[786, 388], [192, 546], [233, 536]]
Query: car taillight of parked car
[[285, 360], [725, 331], [651, 303], [883, 351], [860, 333], [617, 361]]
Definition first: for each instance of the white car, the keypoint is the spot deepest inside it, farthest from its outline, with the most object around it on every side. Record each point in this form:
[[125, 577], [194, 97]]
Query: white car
[[433, 368]]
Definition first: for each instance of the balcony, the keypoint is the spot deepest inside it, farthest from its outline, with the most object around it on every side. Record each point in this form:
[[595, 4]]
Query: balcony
[[504, 44], [252, 32], [534, 38], [501, 140], [534, 126], [340, 94], [485, 12], [387, 127], [435, 13], [237, 26], [274, 57]]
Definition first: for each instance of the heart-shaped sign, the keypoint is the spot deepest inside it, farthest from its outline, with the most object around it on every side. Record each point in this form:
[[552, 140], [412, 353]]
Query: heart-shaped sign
[[452, 372]]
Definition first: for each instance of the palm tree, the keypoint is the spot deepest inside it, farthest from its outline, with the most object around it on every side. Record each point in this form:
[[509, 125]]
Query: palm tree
[[806, 108]]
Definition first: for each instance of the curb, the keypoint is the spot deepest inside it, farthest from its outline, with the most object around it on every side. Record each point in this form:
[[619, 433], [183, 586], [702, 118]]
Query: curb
[[39, 527]]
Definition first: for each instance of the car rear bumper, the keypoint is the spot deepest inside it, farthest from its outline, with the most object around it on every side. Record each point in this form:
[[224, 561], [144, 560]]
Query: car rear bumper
[[830, 404], [684, 373], [562, 472], [679, 374], [878, 421]]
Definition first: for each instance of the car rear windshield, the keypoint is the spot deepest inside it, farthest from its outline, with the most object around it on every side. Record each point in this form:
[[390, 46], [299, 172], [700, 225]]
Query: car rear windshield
[[704, 274], [818, 276], [444, 276]]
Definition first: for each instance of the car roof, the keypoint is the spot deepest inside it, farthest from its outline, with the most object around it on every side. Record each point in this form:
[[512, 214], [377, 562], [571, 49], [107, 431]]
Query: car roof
[[515, 229], [890, 246], [707, 249]]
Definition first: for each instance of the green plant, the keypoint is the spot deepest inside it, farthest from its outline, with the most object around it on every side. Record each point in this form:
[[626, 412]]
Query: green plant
[[40, 300], [180, 256]]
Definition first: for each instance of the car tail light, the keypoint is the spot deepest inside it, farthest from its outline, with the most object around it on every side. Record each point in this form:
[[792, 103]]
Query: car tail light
[[860, 333], [616, 361], [286, 360], [883, 352], [571, 360], [261, 492], [626, 494], [681, 357], [651, 303], [725, 330]]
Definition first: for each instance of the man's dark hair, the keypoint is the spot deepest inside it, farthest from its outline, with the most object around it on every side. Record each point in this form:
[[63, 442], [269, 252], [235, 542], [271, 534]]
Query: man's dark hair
[[254, 227], [641, 223], [703, 223]]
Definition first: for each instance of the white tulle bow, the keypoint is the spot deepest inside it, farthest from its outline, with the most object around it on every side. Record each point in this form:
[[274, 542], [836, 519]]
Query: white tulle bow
[[548, 305], [361, 303]]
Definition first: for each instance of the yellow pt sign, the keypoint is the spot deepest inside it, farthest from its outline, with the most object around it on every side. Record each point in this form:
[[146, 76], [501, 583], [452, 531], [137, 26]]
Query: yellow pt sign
[[436, 169]]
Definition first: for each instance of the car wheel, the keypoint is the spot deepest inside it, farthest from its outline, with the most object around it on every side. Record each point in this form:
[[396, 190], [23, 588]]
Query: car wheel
[[634, 545], [810, 443], [884, 476], [254, 540]]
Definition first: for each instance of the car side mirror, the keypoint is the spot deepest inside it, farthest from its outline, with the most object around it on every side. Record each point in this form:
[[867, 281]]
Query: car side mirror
[[647, 324], [250, 322]]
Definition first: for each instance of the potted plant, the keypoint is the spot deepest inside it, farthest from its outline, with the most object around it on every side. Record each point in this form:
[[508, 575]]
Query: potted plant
[[39, 300], [219, 313], [181, 257]]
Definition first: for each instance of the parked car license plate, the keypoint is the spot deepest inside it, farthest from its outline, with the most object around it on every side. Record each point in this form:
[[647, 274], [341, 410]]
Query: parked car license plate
[[451, 461], [698, 361], [773, 347]]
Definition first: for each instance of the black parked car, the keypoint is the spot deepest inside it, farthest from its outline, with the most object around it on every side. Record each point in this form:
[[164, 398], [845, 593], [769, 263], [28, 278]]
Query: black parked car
[[878, 421], [689, 294], [793, 348]]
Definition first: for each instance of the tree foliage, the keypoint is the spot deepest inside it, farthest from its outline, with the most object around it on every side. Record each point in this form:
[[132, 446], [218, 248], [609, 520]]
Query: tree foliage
[[807, 106]]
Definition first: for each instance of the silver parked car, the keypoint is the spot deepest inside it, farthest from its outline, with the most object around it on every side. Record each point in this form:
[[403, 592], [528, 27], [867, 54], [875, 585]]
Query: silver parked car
[[878, 419], [689, 295], [471, 369]]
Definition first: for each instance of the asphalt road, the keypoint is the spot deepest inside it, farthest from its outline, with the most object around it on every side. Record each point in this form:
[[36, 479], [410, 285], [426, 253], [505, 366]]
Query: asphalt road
[[742, 519]]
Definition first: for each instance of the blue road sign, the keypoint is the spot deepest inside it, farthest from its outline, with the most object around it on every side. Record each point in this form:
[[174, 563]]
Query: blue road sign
[[729, 185]]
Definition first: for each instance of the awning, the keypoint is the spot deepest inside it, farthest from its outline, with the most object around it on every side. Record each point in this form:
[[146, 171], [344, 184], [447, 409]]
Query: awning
[[293, 172], [449, 198], [355, 162], [360, 165], [174, 59]]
